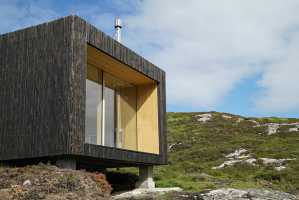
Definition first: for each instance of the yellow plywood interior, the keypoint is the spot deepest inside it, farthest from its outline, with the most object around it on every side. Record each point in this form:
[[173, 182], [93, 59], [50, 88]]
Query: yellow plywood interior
[[114, 67], [147, 120], [127, 117], [144, 97]]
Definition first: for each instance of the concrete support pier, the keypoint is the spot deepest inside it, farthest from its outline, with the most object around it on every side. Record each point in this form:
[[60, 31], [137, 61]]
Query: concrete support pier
[[66, 163], [146, 177]]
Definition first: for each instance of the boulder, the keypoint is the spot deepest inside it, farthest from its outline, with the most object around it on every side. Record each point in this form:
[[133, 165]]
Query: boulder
[[144, 193], [233, 194], [204, 117], [272, 128], [294, 129], [249, 194], [237, 153], [227, 116]]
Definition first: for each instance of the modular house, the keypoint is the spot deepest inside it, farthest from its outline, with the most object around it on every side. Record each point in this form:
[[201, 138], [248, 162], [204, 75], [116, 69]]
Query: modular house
[[71, 94]]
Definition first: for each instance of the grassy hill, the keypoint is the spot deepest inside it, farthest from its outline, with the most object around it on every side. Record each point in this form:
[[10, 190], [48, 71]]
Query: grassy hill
[[206, 151], [195, 147]]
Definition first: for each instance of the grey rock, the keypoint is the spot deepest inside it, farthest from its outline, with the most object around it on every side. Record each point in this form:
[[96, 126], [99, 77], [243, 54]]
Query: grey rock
[[272, 128], [27, 183], [277, 162], [204, 117], [237, 153], [251, 161], [249, 194], [227, 163], [234, 194], [294, 129], [227, 116], [145, 193]]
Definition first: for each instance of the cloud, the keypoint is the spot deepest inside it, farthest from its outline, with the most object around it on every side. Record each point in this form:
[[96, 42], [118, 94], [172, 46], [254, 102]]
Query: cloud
[[280, 83], [208, 47]]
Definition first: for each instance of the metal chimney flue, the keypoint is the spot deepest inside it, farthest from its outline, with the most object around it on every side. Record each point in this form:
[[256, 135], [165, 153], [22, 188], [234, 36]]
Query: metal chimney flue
[[117, 26]]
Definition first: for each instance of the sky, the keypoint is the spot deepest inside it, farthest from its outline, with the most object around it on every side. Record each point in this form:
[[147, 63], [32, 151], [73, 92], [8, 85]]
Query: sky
[[231, 56]]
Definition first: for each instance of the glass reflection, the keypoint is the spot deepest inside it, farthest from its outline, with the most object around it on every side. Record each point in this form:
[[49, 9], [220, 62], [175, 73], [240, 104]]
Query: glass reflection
[[110, 111], [93, 118]]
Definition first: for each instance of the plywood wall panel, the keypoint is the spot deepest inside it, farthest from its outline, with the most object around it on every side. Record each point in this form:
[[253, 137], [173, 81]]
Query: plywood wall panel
[[147, 119]]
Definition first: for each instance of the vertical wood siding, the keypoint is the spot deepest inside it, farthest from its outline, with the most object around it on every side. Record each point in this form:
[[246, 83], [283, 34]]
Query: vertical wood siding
[[34, 91], [42, 92]]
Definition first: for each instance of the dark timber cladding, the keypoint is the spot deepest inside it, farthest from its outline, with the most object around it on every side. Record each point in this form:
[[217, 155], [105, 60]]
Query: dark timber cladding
[[42, 92]]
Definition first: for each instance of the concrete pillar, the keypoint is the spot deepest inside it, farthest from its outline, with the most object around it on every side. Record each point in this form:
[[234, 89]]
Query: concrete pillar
[[66, 163], [146, 177]]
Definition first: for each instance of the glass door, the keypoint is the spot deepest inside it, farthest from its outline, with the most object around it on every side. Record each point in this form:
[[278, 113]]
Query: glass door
[[111, 106], [93, 118], [109, 113], [120, 119]]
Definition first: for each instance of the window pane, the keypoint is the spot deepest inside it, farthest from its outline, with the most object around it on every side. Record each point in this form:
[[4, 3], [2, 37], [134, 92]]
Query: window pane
[[114, 113], [120, 113], [109, 116], [93, 109]]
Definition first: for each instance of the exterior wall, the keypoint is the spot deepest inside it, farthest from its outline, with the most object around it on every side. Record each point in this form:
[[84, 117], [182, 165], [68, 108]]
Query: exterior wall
[[35, 86], [42, 93]]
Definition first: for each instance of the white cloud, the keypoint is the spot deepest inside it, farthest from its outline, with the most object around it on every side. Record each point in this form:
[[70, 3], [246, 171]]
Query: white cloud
[[280, 83], [207, 47]]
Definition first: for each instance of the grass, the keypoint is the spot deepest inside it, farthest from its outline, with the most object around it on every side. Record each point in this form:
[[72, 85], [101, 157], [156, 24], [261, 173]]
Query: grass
[[201, 146]]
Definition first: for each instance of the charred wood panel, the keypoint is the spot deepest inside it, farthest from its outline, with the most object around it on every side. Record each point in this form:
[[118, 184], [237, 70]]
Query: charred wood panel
[[34, 91], [42, 92]]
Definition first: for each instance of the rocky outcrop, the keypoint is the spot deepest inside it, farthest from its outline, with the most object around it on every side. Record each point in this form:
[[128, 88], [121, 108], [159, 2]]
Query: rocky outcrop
[[238, 156], [242, 156], [237, 153], [219, 194], [235, 194], [226, 116], [294, 129], [173, 145], [279, 164], [227, 164], [249, 194], [273, 128], [153, 193], [204, 117], [272, 161]]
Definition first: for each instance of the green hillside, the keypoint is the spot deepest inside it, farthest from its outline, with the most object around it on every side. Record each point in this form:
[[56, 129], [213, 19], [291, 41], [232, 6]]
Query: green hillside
[[195, 147]]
